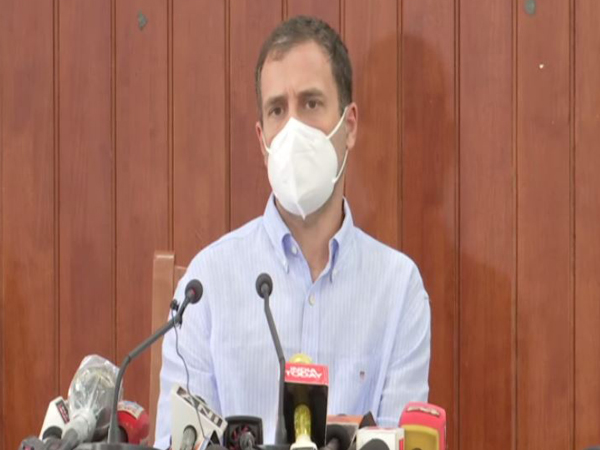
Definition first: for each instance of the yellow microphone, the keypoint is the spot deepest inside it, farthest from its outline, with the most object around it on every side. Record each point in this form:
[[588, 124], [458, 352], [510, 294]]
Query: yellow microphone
[[302, 416]]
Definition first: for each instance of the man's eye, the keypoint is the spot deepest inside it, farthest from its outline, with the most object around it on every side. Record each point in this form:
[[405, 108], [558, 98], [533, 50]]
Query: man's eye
[[275, 111], [312, 104]]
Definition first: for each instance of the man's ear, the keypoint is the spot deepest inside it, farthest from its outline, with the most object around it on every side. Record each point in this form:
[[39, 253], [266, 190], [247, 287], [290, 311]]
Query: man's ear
[[261, 141], [351, 124]]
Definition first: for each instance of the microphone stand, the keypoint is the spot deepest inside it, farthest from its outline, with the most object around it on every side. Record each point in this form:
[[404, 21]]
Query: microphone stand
[[113, 431], [280, 431]]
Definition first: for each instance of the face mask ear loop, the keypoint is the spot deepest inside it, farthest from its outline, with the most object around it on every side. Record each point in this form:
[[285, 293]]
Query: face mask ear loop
[[337, 177], [339, 124], [262, 135]]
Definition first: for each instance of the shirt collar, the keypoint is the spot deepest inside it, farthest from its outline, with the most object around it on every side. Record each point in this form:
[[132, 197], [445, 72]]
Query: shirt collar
[[281, 237]]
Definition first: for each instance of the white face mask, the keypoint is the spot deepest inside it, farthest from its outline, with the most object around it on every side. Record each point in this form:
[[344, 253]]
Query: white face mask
[[303, 166]]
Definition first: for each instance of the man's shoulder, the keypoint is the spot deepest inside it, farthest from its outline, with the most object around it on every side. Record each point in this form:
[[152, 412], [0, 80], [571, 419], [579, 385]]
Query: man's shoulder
[[244, 238], [378, 252]]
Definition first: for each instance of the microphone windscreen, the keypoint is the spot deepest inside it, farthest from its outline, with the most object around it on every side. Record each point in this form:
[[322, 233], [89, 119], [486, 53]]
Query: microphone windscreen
[[52, 432], [264, 284], [339, 432], [194, 291], [31, 443], [134, 422], [247, 441], [375, 444]]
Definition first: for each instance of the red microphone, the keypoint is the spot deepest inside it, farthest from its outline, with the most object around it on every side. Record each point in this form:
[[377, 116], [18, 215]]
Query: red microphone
[[424, 426], [134, 423]]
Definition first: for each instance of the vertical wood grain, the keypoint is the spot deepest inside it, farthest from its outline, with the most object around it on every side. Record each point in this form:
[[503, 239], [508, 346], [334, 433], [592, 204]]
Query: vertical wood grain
[[487, 235], [544, 302], [587, 220], [328, 10], [86, 165], [373, 173], [251, 21], [142, 174], [3, 65], [29, 368], [201, 146], [429, 180]]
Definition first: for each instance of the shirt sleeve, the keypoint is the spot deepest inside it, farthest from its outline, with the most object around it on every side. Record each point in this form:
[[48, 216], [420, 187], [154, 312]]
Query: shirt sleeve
[[192, 340], [407, 375]]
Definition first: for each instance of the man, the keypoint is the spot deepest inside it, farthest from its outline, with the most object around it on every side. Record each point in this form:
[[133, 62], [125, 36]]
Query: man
[[339, 296]]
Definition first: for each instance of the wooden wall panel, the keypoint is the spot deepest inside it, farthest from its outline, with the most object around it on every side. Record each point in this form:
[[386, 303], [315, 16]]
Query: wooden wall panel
[[328, 10], [142, 174], [86, 185], [487, 235], [587, 220], [128, 127], [201, 141], [372, 181], [429, 180], [544, 297], [251, 21], [3, 339], [30, 366]]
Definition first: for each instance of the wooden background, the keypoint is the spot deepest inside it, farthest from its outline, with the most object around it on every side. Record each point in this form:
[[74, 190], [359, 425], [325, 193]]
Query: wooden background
[[127, 126]]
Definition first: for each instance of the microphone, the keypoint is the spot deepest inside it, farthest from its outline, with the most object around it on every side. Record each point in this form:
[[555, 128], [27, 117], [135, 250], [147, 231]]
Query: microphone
[[247, 441], [243, 432], [193, 293], [57, 416], [424, 426], [375, 438], [305, 402], [344, 428], [186, 431], [134, 423], [338, 436], [31, 443], [90, 394], [264, 288]]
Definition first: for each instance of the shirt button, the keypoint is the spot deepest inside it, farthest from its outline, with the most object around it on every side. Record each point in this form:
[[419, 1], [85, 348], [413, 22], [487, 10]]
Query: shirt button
[[312, 300], [294, 250]]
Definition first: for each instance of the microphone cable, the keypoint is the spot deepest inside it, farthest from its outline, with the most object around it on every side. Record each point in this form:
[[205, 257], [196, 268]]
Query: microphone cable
[[187, 372]]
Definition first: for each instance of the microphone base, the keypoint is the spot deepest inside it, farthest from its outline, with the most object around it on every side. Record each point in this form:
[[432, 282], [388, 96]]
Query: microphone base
[[116, 446]]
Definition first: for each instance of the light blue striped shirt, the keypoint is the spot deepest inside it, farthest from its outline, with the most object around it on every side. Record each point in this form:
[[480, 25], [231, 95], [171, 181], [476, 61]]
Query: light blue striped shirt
[[366, 317]]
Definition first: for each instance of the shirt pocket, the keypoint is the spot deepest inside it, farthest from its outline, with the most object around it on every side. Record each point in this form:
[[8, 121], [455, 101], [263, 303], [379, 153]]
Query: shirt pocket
[[351, 385]]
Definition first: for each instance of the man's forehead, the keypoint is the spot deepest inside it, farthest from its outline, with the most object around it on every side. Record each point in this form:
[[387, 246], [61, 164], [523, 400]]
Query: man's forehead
[[303, 68]]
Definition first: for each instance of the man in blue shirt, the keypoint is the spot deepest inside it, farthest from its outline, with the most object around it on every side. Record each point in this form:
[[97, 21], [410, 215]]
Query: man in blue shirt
[[339, 296]]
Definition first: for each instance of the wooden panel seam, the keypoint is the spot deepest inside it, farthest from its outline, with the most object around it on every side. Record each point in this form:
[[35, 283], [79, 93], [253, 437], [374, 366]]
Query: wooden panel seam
[[515, 249], [113, 121], [56, 118], [572, 223], [170, 128], [227, 116], [457, 268]]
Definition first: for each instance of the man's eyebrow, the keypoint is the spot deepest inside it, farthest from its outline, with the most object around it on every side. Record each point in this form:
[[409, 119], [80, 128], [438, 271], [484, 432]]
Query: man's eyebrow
[[275, 100], [312, 92]]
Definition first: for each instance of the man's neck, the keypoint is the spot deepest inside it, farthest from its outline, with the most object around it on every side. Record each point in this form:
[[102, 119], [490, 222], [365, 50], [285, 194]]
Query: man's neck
[[314, 233]]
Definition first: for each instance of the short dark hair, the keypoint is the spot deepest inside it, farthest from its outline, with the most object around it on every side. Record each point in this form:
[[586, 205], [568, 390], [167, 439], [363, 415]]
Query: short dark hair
[[298, 30]]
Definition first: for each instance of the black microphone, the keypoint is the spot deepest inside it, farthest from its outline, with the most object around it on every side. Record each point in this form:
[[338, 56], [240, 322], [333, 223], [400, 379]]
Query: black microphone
[[337, 437], [264, 288], [193, 293], [375, 444]]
